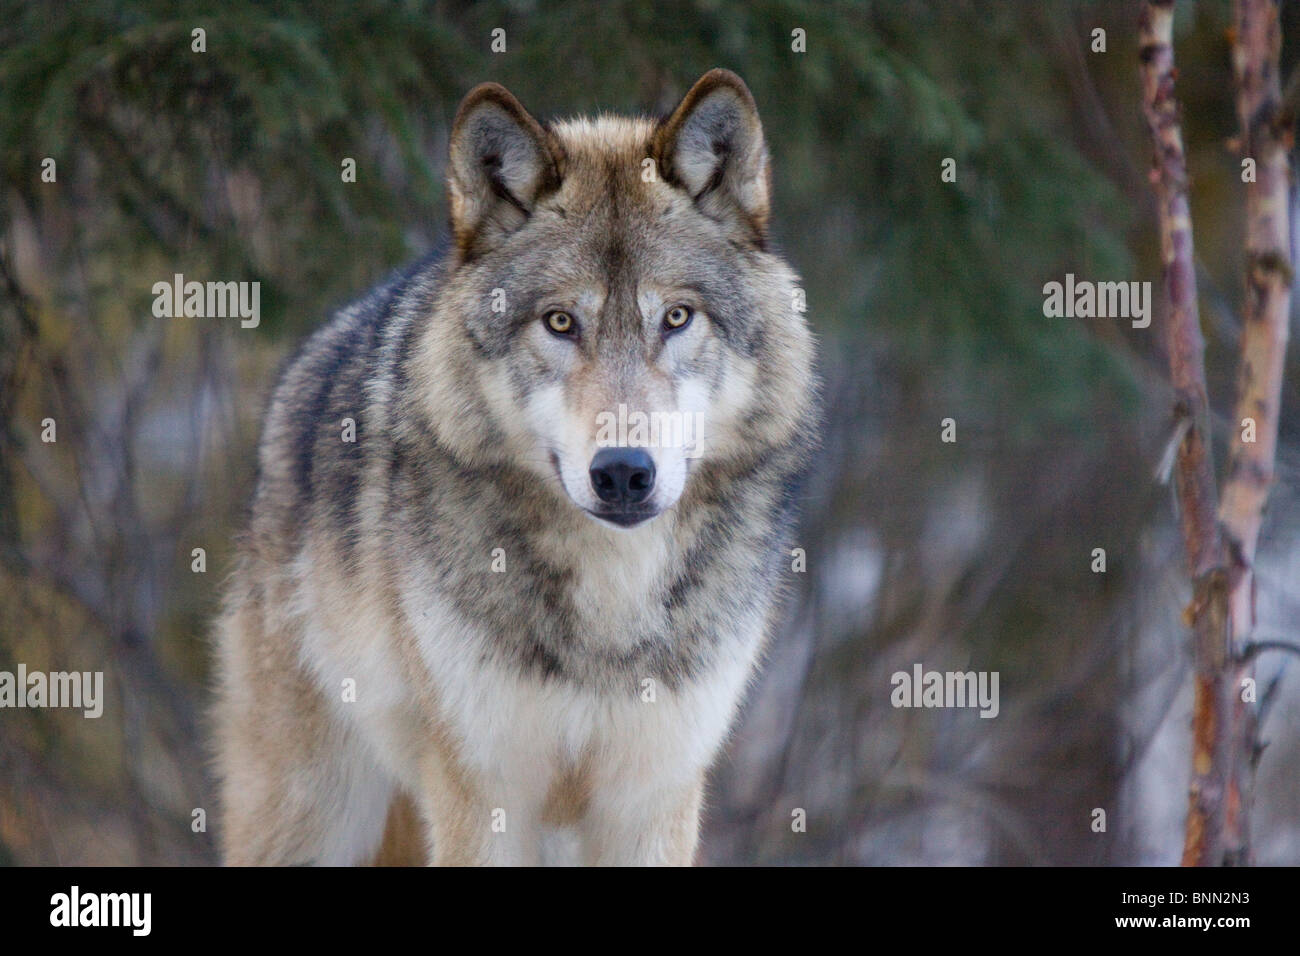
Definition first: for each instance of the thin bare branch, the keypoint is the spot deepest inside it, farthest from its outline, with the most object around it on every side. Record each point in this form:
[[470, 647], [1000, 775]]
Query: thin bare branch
[[1253, 649]]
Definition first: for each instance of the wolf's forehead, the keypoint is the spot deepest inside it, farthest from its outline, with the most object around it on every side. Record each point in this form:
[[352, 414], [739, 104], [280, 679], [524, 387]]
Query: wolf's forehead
[[605, 161], [597, 140]]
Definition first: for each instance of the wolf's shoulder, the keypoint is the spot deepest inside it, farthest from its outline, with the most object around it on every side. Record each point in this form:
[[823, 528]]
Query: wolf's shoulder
[[355, 331], [330, 378]]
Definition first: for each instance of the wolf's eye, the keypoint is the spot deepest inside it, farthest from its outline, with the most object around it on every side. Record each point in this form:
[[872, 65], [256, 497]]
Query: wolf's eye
[[561, 323], [678, 317]]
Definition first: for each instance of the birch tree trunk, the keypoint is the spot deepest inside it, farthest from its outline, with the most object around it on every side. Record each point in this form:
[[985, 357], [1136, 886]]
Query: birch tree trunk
[[1221, 548], [1207, 615], [1266, 140]]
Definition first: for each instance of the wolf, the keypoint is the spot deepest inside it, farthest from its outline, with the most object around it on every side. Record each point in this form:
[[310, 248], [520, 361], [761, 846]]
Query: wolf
[[452, 596]]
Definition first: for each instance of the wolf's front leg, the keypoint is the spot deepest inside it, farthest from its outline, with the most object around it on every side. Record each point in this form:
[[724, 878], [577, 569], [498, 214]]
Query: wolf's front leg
[[626, 828], [472, 822]]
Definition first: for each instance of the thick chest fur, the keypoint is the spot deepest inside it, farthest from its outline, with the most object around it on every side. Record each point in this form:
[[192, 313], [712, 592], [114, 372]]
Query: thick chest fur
[[605, 717]]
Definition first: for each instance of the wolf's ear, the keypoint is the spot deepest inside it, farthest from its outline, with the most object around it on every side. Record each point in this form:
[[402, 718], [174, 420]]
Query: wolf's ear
[[712, 146], [501, 161]]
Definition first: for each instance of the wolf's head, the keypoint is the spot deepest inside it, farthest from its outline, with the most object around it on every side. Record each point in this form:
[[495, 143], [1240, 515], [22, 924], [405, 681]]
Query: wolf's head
[[616, 321]]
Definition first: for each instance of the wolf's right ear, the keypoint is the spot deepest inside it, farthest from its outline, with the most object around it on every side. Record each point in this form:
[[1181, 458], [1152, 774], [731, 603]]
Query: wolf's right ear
[[501, 162]]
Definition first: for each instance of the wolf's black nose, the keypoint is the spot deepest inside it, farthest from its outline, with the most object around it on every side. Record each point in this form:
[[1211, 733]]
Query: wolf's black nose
[[623, 475]]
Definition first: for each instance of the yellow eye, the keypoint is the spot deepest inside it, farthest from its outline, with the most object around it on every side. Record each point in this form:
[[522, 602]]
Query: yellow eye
[[678, 317], [561, 323]]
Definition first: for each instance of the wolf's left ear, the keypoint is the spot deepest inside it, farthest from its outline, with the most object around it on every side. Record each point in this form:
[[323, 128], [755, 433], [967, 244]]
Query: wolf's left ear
[[712, 146], [501, 162]]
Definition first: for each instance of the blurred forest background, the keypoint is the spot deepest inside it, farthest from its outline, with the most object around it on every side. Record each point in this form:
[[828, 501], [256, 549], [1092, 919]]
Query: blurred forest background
[[927, 297]]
